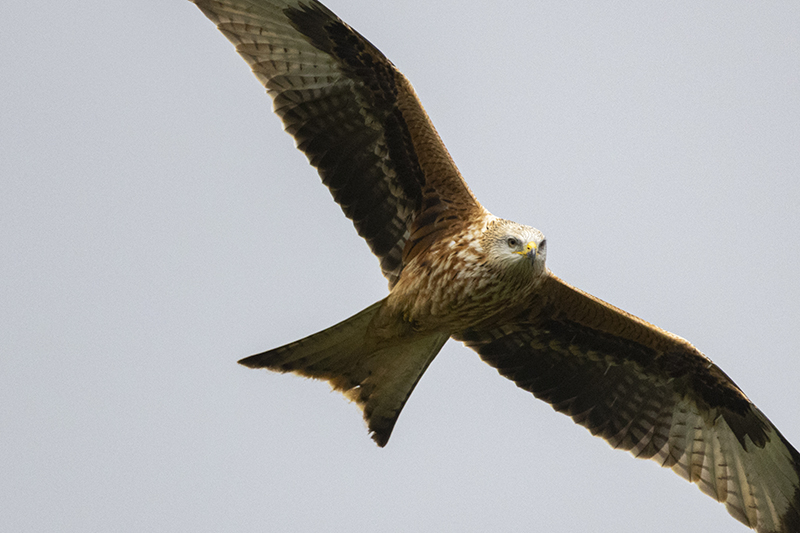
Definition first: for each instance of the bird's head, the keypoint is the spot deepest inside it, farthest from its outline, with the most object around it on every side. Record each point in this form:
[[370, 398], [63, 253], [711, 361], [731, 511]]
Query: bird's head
[[514, 246]]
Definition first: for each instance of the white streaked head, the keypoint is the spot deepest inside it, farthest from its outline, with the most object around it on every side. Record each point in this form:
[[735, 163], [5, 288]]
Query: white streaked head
[[515, 246]]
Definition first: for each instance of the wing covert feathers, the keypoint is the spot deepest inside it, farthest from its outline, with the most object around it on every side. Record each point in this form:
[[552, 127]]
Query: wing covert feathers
[[652, 393], [353, 114], [378, 378]]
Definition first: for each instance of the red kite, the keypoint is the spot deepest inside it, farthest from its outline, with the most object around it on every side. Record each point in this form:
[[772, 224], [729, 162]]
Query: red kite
[[455, 270]]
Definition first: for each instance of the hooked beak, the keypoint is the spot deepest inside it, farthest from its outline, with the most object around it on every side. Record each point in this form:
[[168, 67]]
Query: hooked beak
[[529, 251]]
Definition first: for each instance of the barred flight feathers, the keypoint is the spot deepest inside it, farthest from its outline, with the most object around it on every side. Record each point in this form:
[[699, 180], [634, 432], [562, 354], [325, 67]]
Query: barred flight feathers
[[353, 114], [650, 392]]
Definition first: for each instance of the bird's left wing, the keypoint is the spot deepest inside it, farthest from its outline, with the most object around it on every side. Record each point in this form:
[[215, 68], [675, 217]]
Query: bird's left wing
[[357, 119], [648, 391]]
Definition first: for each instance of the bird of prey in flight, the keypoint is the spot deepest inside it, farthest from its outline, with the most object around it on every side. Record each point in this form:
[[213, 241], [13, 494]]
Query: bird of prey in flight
[[457, 271]]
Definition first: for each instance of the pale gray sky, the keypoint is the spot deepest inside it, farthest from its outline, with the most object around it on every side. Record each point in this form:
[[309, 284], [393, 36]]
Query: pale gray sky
[[157, 225]]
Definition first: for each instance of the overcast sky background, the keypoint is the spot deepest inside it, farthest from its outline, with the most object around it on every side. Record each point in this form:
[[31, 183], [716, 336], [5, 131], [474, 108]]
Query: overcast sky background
[[156, 225]]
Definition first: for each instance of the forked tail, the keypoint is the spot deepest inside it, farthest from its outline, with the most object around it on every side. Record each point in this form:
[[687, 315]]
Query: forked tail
[[378, 380]]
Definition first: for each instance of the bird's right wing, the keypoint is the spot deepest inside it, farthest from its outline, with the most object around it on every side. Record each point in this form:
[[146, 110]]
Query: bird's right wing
[[648, 391], [357, 119]]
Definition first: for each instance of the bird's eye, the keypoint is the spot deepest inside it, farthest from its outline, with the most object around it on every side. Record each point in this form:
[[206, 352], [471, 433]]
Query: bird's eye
[[512, 242]]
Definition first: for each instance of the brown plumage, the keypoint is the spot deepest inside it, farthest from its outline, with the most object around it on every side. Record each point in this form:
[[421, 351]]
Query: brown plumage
[[455, 270]]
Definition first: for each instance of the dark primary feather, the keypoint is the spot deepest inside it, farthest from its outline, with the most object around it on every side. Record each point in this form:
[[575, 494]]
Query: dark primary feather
[[354, 116]]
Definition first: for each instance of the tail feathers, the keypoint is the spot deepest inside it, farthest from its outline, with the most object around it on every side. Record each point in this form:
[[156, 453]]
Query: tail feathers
[[321, 353], [393, 373], [379, 380]]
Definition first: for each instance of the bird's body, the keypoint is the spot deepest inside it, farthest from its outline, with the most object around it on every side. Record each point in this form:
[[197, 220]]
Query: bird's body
[[457, 271], [455, 283]]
